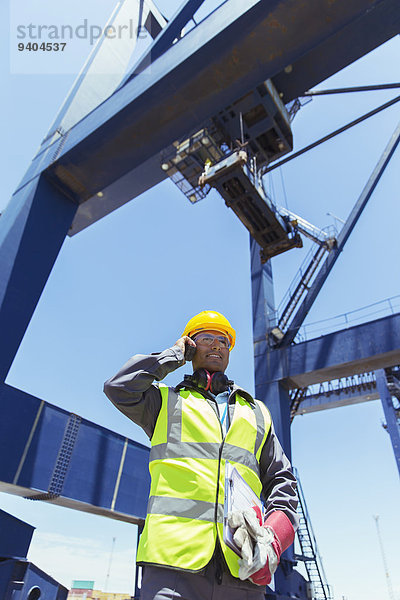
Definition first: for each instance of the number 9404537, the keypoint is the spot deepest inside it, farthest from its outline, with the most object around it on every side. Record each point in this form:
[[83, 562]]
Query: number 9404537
[[42, 47]]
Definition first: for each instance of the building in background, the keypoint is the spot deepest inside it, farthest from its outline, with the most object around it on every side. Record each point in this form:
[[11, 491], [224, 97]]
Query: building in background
[[80, 590]]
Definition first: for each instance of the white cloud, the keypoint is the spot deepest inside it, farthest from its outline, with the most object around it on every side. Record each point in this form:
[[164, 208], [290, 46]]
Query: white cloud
[[66, 558]]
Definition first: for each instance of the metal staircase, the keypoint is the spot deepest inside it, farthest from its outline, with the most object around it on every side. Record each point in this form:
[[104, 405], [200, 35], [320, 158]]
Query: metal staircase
[[298, 288], [393, 381], [296, 399], [319, 587]]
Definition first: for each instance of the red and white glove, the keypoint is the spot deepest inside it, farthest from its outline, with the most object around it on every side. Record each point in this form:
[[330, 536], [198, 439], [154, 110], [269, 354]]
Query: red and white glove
[[283, 533]]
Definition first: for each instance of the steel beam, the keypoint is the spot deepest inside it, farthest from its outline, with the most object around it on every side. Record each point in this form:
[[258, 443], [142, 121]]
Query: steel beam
[[262, 289], [109, 57], [56, 456], [358, 349], [234, 49], [392, 421], [346, 45], [32, 230], [166, 37], [318, 402], [342, 238]]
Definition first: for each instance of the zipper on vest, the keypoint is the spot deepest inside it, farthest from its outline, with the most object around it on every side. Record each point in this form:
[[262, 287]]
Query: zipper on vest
[[218, 476], [215, 409], [213, 405]]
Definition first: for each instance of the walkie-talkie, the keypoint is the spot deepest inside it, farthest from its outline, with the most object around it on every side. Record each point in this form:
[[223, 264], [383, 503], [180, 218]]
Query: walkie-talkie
[[190, 351]]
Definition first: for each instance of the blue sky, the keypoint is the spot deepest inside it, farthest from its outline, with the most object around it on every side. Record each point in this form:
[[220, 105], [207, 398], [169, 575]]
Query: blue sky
[[131, 281]]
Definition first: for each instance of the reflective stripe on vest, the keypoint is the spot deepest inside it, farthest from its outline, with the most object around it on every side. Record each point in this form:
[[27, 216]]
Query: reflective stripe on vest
[[187, 467]]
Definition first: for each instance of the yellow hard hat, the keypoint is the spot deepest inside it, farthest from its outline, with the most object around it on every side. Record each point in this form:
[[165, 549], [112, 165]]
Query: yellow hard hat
[[210, 320]]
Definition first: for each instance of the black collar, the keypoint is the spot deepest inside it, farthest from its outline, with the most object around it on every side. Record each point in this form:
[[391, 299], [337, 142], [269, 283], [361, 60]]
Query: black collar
[[235, 389]]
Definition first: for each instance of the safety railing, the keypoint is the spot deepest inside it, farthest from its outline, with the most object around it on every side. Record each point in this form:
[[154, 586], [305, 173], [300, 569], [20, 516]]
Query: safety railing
[[320, 590], [367, 313]]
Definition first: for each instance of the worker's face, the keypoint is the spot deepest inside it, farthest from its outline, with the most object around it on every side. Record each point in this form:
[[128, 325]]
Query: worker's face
[[214, 356]]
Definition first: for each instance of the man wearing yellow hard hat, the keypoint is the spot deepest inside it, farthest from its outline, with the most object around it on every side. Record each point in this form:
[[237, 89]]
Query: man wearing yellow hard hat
[[196, 429]]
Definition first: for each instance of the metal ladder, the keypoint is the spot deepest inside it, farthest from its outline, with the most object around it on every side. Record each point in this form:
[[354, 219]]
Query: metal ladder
[[300, 285], [309, 552]]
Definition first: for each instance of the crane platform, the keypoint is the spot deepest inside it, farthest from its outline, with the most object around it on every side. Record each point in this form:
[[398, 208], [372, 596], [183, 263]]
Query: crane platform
[[243, 192]]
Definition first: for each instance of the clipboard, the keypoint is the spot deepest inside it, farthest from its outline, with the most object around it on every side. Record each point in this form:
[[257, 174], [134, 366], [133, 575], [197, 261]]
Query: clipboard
[[238, 496]]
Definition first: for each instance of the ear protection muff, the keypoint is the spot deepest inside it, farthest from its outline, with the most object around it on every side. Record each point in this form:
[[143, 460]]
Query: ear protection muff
[[209, 382]]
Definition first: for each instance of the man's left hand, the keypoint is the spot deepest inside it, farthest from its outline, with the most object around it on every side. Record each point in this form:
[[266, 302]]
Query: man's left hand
[[281, 527]]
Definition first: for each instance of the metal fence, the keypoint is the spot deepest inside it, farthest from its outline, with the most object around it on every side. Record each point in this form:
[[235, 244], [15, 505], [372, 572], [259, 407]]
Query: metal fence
[[377, 310]]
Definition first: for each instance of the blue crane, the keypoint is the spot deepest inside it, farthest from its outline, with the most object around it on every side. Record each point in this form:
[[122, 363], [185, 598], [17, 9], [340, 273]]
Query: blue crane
[[235, 79]]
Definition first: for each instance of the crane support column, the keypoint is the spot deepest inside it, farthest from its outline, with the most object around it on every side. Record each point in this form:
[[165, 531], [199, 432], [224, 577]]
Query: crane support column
[[392, 420], [273, 394], [32, 230]]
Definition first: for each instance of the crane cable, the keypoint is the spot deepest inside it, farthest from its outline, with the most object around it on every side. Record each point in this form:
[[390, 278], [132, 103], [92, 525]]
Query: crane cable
[[333, 134], [360, 88]]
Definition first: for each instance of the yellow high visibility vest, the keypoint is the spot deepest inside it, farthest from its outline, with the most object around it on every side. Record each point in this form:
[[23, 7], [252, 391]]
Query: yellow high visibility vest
[[187, 467]]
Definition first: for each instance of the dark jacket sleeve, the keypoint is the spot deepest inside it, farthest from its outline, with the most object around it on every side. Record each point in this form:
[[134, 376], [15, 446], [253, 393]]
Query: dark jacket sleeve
[[279, 483], [133, 391]]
